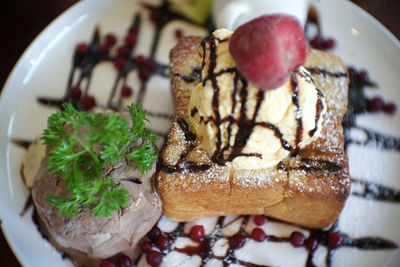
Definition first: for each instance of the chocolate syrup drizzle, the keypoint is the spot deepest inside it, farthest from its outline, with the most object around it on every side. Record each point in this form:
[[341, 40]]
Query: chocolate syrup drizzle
[[376, 191], [319, 107], [295, 99], [226, 152], [83, 66]]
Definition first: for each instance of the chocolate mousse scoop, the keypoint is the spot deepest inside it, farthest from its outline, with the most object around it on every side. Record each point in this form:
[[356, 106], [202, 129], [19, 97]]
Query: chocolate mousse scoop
[[99, 236]]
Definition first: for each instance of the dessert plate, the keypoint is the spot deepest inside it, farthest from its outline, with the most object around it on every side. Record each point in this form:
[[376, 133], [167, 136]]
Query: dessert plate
[[40, 80]]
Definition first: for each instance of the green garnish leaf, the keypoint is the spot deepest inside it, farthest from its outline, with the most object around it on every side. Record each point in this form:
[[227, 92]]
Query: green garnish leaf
[[83, 146]]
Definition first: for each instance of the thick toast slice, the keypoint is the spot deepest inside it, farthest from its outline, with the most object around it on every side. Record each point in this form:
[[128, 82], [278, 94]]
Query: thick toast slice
[[308, 189]]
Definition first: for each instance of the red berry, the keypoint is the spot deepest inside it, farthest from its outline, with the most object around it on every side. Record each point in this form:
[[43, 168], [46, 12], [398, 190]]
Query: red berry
[[124, 261], [258, 234], [133, 30], [329, 43], [267, 49], [311, 243], [335, 239], [363, 76], [144, 74], [104, 50], [122, 51], [197, 232], [110, 40], [82, 48], [88, 102], [154, 258], [317, 42], [163, 242], [145, 246], [259, 220], [126, 91], [390, 108], [154, 233], [178, 33], [375, 104], [119, 63], [131, 40], [297, 239], [108, 263], [75, 92], [237, 241], [155, 16], [149, 64], [139, 60]]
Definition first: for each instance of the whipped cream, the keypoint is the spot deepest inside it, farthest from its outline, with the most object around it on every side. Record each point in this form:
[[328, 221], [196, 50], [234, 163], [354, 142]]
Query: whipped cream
[[246, 128]]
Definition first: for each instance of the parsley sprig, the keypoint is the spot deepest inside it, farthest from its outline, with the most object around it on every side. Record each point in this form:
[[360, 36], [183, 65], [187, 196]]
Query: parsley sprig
[[83, 146]]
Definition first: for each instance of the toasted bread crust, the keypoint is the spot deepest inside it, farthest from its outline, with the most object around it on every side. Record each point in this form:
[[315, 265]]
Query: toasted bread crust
[[309, 189]]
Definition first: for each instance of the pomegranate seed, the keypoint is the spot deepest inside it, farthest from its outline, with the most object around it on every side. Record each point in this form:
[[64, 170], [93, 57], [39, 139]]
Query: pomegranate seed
[[82, 48], [311, 243], [133, 30], [154, 233], [122, 51], [110, 40], [119, 63], [126, 91], [144, 74], [335, 239], [88, 102], [154, 258], [375, 104], [108, 263], [124, 261], [258, 234], [363, 76], [155, 16], [197, 232], [104, 50], [297, 239], [146, 247], [317, 42], [130, 40], [259, 220], [237, 241], [178, 34], [329, 43], [163, 242], [149, 64], [390, 108], [75, 92], [139, 60]]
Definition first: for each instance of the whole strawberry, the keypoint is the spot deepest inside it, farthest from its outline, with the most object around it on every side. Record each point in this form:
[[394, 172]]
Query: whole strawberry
[[268, 48]]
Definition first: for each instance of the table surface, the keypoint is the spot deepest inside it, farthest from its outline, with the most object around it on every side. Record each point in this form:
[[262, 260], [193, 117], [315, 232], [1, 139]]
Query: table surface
[[19, 26]]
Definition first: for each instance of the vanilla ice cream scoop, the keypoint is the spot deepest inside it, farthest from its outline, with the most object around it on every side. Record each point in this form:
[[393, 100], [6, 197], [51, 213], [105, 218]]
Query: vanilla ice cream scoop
[[244, 127]]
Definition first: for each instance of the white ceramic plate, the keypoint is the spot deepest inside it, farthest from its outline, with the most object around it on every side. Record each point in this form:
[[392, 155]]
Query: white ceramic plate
[[43, 71]]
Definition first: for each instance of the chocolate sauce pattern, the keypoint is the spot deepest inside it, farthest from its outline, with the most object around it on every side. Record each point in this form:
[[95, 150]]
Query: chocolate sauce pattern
[[319, 71], [357, 102], [183, 165], [203, 249], [245, 125], [298, 116], [194, 76], [318, 109], [376, 191], [314, 165]]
